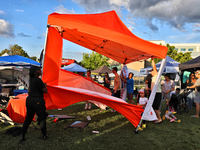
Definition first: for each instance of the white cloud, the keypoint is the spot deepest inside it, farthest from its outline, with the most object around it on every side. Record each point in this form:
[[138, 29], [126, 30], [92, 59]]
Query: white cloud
[[176, 13], [187, 38], [6, 29], [19, 10], [28, 25], [2, 12], [61, 9], [131, 28], [197, 25]]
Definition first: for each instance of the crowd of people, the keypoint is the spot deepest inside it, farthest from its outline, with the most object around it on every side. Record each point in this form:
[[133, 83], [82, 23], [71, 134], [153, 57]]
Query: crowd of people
[[165, 89]]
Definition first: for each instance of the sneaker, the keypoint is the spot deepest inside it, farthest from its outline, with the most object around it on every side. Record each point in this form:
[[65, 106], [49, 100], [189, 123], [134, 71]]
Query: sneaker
[[144, 126], [140, 129], [172, 120]]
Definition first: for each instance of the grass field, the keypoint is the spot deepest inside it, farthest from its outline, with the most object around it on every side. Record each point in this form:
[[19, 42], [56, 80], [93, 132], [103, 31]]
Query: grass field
[[115, 133]]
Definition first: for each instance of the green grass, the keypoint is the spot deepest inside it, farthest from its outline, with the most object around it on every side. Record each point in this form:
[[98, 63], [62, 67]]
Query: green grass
[[115, 132]]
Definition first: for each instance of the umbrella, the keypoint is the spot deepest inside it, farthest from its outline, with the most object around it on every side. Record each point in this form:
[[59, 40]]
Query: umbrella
[[74, 68], [102, 70]]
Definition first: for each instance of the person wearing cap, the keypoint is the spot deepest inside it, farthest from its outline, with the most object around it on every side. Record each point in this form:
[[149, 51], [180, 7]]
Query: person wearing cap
[[35, 102], [158, 96], [142, 101], [197, 93]]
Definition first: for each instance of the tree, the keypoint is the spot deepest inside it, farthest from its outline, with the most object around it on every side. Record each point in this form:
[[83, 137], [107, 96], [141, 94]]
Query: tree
[[15, 50], [94, 60], [180, 57]]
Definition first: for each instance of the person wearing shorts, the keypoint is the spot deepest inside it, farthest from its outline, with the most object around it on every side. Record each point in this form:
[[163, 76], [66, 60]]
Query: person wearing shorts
[[197, 94], [158, 96]]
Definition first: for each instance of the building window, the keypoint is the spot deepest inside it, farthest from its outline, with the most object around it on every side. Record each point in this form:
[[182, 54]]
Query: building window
[[190, 49], [176, 49], [182, 49]]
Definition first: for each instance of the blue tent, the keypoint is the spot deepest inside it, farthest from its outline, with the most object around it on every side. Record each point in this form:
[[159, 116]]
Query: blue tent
[[172, 66], [16, 60], [74, 68]]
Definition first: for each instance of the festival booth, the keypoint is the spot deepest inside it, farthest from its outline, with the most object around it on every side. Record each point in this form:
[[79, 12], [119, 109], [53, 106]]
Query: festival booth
[[13, 69], [172, 66], [103, 33], [187, 67], [74, 67]]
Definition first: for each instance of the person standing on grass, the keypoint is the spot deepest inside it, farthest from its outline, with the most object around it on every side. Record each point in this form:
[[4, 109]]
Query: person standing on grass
[[167, 88], [142, 101], [190, 82], [197, 93], [106, 81], [35, 102], [88, 104], [130, 84], [158, 96], [117, 84]]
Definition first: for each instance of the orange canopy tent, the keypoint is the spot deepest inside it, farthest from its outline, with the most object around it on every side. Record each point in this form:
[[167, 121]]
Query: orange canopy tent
[[103, 33]]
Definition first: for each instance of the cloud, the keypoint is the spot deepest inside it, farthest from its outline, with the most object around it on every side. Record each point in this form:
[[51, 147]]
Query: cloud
[[101, 5], [19, 10], [23, 35], [197, 25], [187, 38], [6, 29], [176, 13], [196, 30], [28, 25], [43, 35], [131, 28], [61, 9], [2, 12]]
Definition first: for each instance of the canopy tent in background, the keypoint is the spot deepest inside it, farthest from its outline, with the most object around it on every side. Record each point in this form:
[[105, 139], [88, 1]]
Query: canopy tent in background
[[136, 73], [74, 67], [191, 65], [102, 70], [16, 60], [172, 66], [103, 33]]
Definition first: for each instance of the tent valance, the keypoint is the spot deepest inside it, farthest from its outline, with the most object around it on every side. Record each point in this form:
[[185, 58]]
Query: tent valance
[[191, 65]]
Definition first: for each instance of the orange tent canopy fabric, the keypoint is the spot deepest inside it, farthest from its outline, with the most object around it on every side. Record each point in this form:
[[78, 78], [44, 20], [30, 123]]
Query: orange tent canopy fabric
[[106, 34]]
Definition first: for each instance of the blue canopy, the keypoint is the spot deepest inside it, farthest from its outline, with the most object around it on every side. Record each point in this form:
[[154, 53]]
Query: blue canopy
[[74, 68], [172, 66], [16, 60]]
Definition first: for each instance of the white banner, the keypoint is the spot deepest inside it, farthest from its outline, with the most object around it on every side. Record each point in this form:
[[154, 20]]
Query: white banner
[[123, 94], [146, 115]]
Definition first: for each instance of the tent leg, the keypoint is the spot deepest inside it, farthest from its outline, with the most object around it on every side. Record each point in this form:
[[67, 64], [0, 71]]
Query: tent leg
[[136, 130], [45, 45]]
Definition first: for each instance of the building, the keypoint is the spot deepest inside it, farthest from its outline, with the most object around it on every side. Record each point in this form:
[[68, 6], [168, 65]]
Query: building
[[183, 47]]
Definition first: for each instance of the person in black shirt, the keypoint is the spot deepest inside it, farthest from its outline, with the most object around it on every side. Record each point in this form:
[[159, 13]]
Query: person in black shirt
[[35, 102], [107, 81]]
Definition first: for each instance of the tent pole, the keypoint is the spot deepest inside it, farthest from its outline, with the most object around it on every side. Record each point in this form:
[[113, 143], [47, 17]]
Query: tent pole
[[147, 109], [45, 46]]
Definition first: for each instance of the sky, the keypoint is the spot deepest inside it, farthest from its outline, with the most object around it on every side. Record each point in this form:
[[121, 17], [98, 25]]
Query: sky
[[24, 22]]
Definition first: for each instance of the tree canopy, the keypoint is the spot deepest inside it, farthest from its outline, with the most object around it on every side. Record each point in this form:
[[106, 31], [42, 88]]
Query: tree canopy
[[180, 57], [94, 60], [15, 50]]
